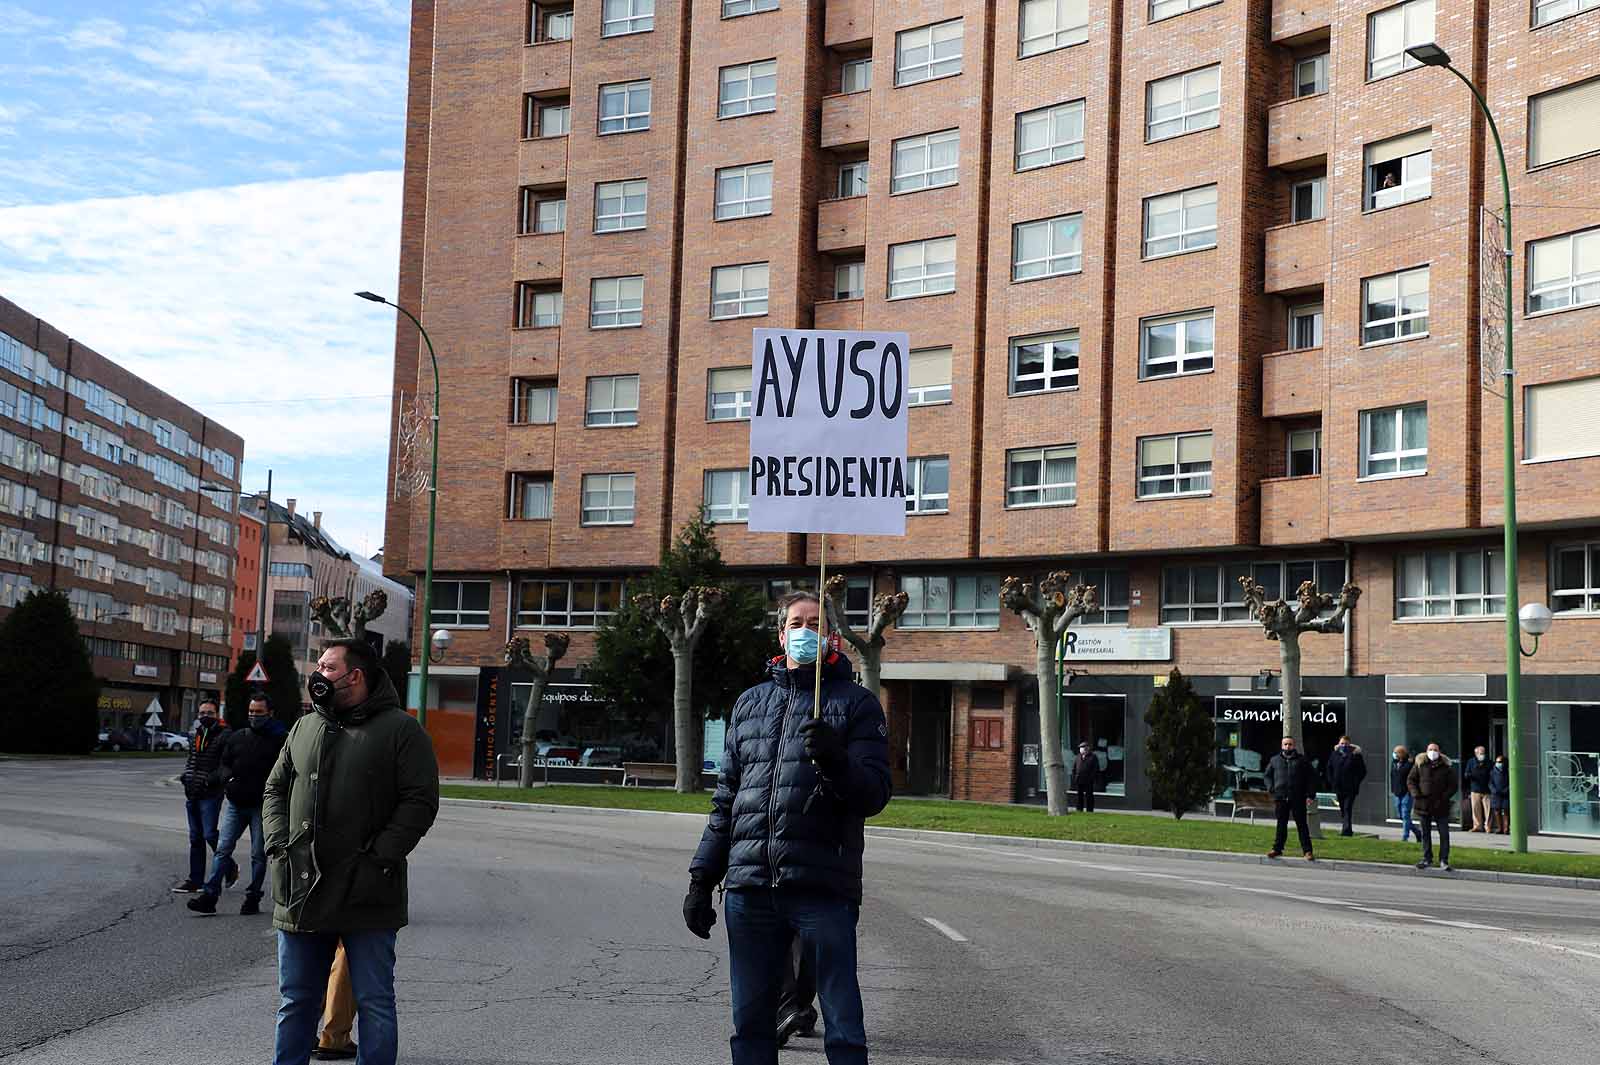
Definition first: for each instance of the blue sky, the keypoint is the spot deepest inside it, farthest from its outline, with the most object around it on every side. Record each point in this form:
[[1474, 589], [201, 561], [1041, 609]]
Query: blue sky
[[195, 189]]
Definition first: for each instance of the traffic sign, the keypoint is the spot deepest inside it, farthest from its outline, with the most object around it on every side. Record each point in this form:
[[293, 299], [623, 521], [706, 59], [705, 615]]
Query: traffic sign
[[257, 675], [155, 711]]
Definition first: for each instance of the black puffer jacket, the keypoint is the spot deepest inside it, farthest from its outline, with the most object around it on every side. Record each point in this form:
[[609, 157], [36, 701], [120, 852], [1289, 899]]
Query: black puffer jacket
[[247, 758], [200, 777], [1291, 779], [759, 834], [1346, 769], [1399, 770]]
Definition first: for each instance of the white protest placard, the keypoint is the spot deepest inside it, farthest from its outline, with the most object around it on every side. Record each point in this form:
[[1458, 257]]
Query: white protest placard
[[828, 432]]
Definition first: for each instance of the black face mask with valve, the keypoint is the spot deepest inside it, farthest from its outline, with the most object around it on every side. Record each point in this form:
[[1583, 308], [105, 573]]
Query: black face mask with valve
[[321, 690]]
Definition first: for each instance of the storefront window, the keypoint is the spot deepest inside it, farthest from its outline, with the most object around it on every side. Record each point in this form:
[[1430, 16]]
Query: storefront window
[[1100, 722], [1569, 764], [1415, 725], [1249, 731]]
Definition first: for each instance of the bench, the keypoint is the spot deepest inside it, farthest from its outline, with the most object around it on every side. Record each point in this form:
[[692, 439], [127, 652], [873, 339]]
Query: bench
[[1252, 803], [635, 772]]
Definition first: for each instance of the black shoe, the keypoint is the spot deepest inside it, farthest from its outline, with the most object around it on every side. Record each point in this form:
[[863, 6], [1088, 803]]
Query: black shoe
[[788, 1025], [808, 1023], [1445, 867], [251, 907], [188, 887], [1424, 864], [334, 1053], [203, 903], [231, 877]]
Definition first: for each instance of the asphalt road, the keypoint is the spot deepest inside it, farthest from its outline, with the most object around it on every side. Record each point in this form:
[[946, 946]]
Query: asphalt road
[[556, 939]]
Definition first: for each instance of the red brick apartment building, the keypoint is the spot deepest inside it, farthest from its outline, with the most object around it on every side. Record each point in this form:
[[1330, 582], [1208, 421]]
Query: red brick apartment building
[[1193, 289], [122, 497]]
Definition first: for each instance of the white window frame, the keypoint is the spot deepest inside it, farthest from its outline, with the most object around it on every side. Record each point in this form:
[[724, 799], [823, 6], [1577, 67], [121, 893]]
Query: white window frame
[[741, 204], [929, 395], [736, 511], [1185, 362], [525, 490], [1067, 230], [1416, 177], [531, 297], [1315, 441], [850, 280], [531, 217], [1450, 601], [1588, 594], [1298, 314], [858, 72], [1066, 491], [1220, 580], [919, 502], [622, 218], [982, 615], [754, 291], [1414, 29], [1184, 482], [725, 406], [551, 113], [1548, 11], [853, 176], [599, 503], [534, 401], [928, 39], [738, 8], [911, 161], [602, 409], [1318, 187], [546, 22], [926, 282], [1050, 379], [1405, 324], [746, 75], [1574, 404], [1578, 288], [1161, 10], [1053, 151], [615, 291], [639, 17], [630, 119], [1319, 75], [569, 617], [458, 611], [1069, 25], [1190, 117], [1187, 236], [1401, 455]]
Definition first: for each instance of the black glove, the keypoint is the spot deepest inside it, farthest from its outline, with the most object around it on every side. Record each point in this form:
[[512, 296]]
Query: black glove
[[698, 913], [825, 747]]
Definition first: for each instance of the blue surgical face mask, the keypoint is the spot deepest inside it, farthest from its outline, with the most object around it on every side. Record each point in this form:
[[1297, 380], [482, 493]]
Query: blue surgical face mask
[[802, 645]]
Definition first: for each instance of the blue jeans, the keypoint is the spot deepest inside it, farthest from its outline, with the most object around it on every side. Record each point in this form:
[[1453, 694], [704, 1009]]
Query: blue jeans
[[304, 959], [202, 833], [761, 923], [1403, 811], [235, 820]]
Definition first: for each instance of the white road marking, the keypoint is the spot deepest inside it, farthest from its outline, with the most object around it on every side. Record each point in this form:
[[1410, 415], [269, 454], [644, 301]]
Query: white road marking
[[1465, 924], [949, 933], [1556, 947], [1381, 912]]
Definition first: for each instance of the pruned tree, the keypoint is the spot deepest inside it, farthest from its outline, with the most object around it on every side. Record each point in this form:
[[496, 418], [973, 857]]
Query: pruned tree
[[1182, 762], [519, 655], [683, 619], [1285, 622], [1047, 615], [343, 619], [886, 611]]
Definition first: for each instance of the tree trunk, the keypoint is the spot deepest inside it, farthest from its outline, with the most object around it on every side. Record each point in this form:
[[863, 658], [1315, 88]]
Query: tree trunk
[[1051, 765], [1293, 723], [872, 670], [530, 722], [684, 733]]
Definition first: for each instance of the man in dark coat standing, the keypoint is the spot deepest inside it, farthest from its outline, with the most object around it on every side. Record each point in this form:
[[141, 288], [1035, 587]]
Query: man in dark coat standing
[[786, 835], [1293, 784], [1086, 777], [202, 791], [1347, 768], [247, 758], [1433, 784]]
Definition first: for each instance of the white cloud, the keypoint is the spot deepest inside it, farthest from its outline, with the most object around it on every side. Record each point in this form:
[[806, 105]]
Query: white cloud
[[239, 302]]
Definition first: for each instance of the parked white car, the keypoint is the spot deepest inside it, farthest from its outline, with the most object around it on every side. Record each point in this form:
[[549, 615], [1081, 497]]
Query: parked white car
[[171, 741]]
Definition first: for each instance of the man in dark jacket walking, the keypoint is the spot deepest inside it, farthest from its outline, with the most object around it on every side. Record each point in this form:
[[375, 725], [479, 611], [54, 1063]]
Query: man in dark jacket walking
[[1346, 769], [1086, 777], [247, 757], [353, 792], [1475, 778], [202, 791], [786, 835], [1432, 784], [1293, 784]]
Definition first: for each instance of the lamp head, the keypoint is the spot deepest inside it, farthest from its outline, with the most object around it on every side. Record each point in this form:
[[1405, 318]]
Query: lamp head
[[1534, 619], [373, 296], [441, 640], [1429, 55]]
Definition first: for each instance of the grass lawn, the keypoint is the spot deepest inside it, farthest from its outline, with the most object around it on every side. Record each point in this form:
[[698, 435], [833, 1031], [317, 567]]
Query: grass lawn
[[1030, 821]]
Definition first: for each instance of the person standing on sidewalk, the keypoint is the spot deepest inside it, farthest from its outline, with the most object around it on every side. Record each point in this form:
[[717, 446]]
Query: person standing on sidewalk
[[1399, 770], [1432, 783], [1293, 784], [1475, 778], [1086, 777], [786, 835], [247, 757], [354, 792], [202, 792], [1347, 768], [1500, 796]]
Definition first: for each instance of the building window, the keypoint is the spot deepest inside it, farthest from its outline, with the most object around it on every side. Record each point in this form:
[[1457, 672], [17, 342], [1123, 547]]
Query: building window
[[1045, 25], [608, 499], [1308, 200], [728, 395], [1391, 31], [1212, 593], [1112, 598], [1575, 579], [625, 107], [1047, 363], [1394, 441], [1042, 476], [619, 205], [1180, 222], [542, 212], [1049, 135], [1311, 75], [951, 602], [579, 604], [855, 75], [1545, 11], [748, 89], [849, 280], [928, 485], [460, 604], [739, 291], [1161, 9], [986, 733], [1182, 103], [926, 161], [727, 495], [545, 116], [928, 377], [612, 401], [922, 267], [1305, 327], [549, 22], [533, 401], [1561, 419], [1394, 306], [734, 8], [616, 302], [1047, 248], [620, 17], [927, 52], [852, 179], [530, 496], [1450, 584], [538, 306], [1176, 465], [1399, 170], [1562, 123], [742, 191], [1177, 344], [1305, 452], [1564, 271]]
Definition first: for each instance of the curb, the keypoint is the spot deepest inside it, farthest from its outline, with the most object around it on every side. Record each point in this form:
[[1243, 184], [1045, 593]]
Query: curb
[[1108, 849]]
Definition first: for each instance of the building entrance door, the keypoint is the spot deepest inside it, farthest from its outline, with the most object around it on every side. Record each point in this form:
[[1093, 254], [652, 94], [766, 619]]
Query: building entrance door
[[929, 769]]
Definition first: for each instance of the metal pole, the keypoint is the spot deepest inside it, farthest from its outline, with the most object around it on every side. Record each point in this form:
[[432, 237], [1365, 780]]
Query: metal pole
[[822, 626], [266, 571]]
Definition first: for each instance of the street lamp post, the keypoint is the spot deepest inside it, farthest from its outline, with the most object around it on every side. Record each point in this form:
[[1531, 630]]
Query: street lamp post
[[1433, 56], [433, 509]]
